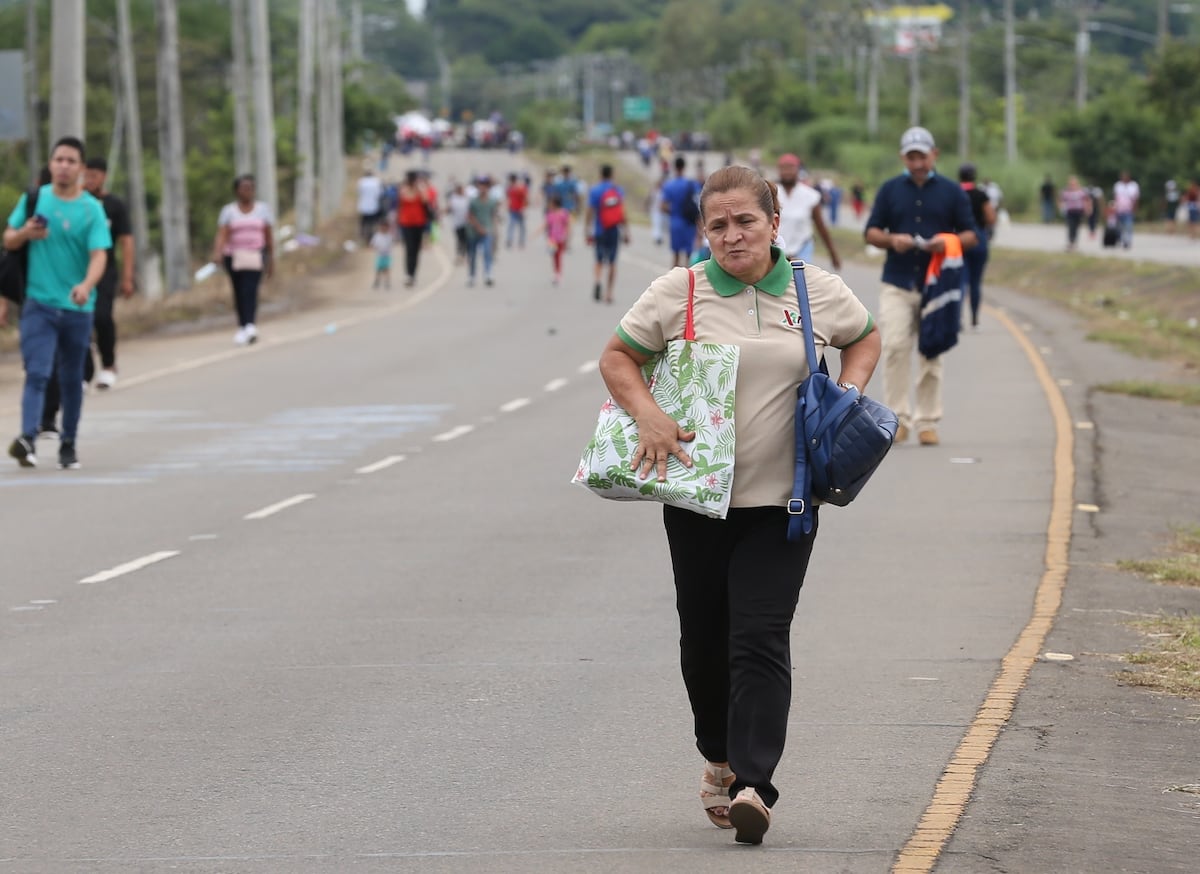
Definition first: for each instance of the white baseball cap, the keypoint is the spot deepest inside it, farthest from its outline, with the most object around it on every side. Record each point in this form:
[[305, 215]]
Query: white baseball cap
[[916, 139]]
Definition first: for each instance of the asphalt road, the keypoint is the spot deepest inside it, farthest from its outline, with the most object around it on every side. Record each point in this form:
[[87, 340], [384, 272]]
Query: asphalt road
[[383, 633]]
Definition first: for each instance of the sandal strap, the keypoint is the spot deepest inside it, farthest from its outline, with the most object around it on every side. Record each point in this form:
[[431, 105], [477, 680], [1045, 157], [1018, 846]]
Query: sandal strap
[[716, 781]]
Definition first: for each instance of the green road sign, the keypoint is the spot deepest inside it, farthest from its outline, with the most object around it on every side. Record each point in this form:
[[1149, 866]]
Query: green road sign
[[637, 108]]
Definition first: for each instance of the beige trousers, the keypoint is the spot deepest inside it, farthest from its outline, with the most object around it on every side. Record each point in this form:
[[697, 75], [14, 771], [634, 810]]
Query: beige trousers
[[899, 324]]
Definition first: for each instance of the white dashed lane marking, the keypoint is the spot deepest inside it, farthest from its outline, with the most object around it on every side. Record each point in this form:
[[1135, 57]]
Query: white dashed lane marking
[[453, 433], [278, 507], [514, 405], [129, 567], [588, 366], [556, 384], [382, 464]]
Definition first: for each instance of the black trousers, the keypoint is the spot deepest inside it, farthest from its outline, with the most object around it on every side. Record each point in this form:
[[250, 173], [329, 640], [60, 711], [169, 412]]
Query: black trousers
[[104, 324], [245, 292], [737, 582], [412, 248]]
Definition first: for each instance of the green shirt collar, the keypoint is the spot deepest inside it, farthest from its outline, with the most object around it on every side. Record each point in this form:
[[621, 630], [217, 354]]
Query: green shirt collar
[[775, 283]]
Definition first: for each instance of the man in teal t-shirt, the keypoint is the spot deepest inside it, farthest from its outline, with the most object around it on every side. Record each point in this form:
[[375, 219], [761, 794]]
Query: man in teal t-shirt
[[68, 240]]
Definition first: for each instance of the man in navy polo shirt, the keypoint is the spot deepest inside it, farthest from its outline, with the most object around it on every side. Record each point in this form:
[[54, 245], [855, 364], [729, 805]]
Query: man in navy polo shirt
[[909, 210]]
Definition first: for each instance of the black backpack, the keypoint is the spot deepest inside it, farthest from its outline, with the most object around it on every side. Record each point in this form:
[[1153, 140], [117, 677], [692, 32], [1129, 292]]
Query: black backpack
[[14, 263], [689, 210]]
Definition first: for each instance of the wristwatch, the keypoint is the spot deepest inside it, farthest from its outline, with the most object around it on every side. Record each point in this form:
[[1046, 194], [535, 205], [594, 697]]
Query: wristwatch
[[849, 385]]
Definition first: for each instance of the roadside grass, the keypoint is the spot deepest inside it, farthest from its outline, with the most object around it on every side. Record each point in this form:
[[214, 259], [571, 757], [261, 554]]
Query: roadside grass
[[1149, 310], [1172, 663], [1162, 391], [1180, 569]]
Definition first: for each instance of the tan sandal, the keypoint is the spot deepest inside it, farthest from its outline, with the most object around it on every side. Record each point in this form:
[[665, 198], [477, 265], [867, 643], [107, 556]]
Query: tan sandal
[[714, 793], [749, 816]]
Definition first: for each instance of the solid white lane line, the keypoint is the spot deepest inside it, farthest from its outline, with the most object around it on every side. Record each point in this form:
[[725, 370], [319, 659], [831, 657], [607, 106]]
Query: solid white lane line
[[453, 433], [588, 366], [556, 384], [514, 405], [129, 567], [276, 508], [381, 464]]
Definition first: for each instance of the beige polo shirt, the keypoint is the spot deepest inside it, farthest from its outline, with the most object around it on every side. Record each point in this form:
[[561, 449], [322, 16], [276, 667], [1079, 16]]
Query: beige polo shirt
[[764, 321]]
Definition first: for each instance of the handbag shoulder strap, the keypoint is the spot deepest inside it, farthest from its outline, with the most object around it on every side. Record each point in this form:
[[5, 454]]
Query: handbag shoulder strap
[[810, 345], [689, 325]]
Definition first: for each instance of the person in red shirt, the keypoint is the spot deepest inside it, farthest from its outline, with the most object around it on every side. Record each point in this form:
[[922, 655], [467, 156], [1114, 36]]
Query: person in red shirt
[[413, 210], [517, 193]]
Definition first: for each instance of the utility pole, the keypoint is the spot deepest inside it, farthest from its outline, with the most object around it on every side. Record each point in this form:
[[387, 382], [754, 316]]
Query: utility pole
[[243, 160], [914, 85], [329, 109], [174, 208], [148, 280], [356, 32], [873, 88], [67, 57], [264, 106], [1083, 41], [305, 178], [33, 121], [1010, 84], [1164, 26], [964, 82]]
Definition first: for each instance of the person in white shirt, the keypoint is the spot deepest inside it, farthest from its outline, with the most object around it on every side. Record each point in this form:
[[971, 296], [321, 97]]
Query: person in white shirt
[[458, 201], [800, 214], [1125, 197], [370, 199]]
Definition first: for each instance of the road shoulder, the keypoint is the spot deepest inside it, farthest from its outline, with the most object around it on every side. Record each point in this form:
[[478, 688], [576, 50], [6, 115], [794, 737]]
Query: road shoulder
[[1080, 778]]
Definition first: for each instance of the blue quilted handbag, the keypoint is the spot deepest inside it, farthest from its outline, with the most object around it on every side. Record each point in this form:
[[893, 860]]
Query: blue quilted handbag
[[841, 436]]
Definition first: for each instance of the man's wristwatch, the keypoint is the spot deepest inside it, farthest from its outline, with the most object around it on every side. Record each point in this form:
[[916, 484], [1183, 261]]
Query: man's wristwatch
[[849, 385]]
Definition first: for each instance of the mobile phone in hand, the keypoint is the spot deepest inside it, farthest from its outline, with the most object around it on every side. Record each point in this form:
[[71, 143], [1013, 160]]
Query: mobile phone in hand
[[40, 220]]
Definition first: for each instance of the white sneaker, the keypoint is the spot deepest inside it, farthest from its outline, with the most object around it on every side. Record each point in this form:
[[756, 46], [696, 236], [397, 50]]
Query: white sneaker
[[251, 333], [106, 379], [241, 338]]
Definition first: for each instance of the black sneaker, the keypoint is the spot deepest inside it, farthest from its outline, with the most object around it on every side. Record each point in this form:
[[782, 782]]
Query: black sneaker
[[67, 459], [22, 450], [596, 292]]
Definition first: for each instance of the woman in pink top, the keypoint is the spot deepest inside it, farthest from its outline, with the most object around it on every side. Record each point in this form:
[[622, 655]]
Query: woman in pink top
[[1076, 204], [245, 245], [557, 231]]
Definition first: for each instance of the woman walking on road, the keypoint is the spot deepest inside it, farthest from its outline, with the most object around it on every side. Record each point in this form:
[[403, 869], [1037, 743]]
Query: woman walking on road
[[413, 213], [975, 258], [737, 580], [245, 245], [1076, 205]]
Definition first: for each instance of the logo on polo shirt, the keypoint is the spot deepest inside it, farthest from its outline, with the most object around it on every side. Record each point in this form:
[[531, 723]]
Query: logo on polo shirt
[[791, 319]]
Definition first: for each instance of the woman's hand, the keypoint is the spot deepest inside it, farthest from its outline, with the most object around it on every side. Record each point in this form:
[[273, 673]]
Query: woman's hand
[[659, 437]]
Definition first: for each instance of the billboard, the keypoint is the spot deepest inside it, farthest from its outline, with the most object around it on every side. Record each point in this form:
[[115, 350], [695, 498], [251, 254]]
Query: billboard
[[906, 29]]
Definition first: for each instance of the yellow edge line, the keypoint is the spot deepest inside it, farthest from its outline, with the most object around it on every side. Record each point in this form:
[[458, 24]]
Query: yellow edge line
[[958, 780]]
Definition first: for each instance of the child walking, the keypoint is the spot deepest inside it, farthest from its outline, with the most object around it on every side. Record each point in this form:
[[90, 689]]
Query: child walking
[[382, 242], [557, 230]]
